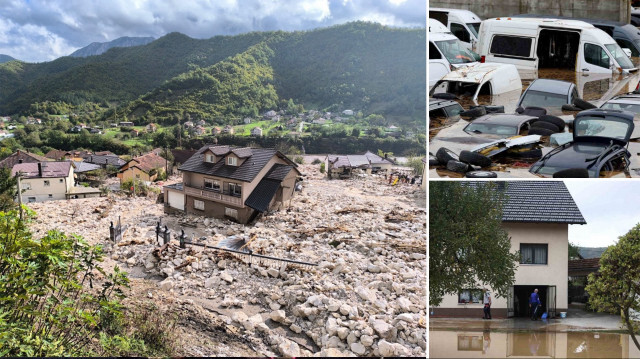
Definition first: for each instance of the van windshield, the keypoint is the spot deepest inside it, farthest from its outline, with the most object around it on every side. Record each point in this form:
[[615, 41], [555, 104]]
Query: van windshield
[[455, 52], [621, 58], [474, 27]]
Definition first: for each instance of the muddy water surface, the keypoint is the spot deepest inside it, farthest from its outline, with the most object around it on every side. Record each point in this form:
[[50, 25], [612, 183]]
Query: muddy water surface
[[458, 344]]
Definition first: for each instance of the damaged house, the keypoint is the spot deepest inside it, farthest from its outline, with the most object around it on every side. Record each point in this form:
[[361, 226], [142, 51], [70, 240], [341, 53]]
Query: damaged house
[[344, 166], [229, 182]]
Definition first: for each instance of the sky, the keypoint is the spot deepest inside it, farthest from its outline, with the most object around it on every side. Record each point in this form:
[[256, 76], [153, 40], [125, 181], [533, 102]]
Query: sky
[[43, 30], [610, 207]]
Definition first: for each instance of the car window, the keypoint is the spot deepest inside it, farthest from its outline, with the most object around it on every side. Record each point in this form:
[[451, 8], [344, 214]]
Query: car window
[[600, 127], [455, 52], [511, 45], [543, 99], [454, 110], [621, 58], [438, 113], [629, 45], [460, 32], [474, 27], [622, 106], [491, 129], [434, 54], [595, 55]]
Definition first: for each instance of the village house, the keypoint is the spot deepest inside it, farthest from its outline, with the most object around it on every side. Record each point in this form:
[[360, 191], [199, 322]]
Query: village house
[[216, 130], [145, 168], [236, 183], [135, 132], [344, 166], [247, 120], [347, 112], [256, 131], [47, 181], [229, 129], [58, 155], [105, 160], [270, 114], [21, 157], [199, 130], [319, 121], [151, 128], [189, 124], [4, 134], [125, 124], [536, 216]]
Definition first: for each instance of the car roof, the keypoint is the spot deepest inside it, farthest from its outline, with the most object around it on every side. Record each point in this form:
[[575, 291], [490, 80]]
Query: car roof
[[466, 15], [620, 26], [505, 119], [628, 96], [551, 86], [436, 26], [436, 103]]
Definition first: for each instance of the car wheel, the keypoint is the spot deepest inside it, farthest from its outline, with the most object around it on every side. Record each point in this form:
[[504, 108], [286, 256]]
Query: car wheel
[[540, 131], [474, 158], [445, 96], [444, 155], [434, 162], [568, 107], [572, 173], [554, 120], [474, 112], [580, 103], [457, 166], [481, 174], [546, 125]]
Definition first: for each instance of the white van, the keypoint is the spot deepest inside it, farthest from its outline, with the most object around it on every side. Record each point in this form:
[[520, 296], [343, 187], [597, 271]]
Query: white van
[[534, 43], [464, 24], [446, 52]]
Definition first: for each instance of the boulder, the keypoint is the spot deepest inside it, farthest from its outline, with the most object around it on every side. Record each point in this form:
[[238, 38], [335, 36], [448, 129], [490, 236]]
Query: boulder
[[358, 348], [289, 349], [278, 316]]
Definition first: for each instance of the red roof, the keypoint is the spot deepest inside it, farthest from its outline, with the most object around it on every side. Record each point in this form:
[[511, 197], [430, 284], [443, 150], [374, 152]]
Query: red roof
[[590, 264], [149, 161]]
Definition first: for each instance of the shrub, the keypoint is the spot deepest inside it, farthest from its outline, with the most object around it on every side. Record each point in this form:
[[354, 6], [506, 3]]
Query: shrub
[[141, 188], [299, 160], [322, 169], [316, 162]]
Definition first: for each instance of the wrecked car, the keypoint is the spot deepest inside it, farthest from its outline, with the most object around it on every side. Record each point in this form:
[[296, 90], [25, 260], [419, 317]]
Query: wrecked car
[[600, 140], [500, 125], [444, 108], [480, 79], [548, 93], [446, 52], [463, 24]]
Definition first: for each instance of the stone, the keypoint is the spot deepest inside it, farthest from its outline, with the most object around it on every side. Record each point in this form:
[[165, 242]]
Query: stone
[[131, 261], [263, 328], [239, 316], [333, 306], [295, 328], [384, 329], [404, 304], [366, 294], [166, 284], [343, 332], [406, 317], [273, 272], [358, 348], [168, 271], [226, 277], [331, 326], [210, 282], [366, 340], [374, 268], [386, 349], [345, 309], [289, 349], [351, 338], [278, 316], [334, 342]]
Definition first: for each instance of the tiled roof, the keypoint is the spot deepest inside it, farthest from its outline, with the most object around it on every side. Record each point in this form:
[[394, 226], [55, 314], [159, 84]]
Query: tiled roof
[[105, 153], [578, 265], [246, 172], [338, 161], [219, 150], [26, 157], [105, 160], [49, 169], [148, 162], [262, 195], [373, 158], [278, 172], [362, 161], [358, 160], [57, 154], [181, 156], [538, 202], [84, 166], [243, 152], [591, 252]]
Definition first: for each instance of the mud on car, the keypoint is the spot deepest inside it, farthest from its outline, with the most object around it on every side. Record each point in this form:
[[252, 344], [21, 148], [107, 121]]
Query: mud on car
[[600, 141]]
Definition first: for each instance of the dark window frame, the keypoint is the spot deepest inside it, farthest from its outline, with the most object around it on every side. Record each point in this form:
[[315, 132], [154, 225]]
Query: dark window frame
[[480, 295], [466, 37], [433, 49], [533, 256], [500, 41], [602, 50]]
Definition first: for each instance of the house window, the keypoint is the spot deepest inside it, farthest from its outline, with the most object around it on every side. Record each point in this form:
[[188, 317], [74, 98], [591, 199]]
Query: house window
[[235, 189], [232, 161], [230, 212], [470, 296], [208, 158], [31, 199], [50, 196], [533, 253], [212, 184], [61, 180], [47, 183], [511, 46], [198, 204]]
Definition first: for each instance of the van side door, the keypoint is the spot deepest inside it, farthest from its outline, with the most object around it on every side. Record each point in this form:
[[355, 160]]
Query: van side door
[[593, 59], [438, 64]]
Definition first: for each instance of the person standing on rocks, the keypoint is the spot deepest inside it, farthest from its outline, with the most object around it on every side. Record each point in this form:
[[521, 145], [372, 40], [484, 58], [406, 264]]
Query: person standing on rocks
[[487, 304]]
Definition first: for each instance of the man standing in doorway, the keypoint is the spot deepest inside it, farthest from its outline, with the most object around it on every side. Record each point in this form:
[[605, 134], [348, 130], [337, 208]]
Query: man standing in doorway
[[534, 303], [487, 304]]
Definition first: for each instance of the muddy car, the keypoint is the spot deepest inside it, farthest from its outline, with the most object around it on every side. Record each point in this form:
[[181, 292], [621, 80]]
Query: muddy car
[[600, 140], [500, 125], [480, 79], [548, 93], [628, 102], [444, 108]]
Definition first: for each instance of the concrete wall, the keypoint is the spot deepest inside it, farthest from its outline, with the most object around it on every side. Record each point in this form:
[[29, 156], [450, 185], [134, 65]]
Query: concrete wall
[[617, 10]]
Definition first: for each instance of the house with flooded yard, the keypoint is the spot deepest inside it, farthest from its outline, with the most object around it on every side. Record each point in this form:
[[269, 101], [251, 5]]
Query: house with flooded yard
[[536, 215]]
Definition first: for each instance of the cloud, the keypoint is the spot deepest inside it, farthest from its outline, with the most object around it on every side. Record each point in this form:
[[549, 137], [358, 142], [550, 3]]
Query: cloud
[[42, 30]]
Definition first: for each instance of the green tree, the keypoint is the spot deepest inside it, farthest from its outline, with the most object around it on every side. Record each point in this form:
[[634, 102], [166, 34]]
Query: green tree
[[468, 246], [616, 286], [355, 132], [7, 189], [574, 253]]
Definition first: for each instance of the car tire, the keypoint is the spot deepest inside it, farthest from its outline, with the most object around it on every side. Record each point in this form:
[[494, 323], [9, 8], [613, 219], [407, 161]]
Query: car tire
[[554, 120], [546, 125], [444, 155], [535, 153], [474, 158], [580, 103], [444, 96], [481, 174], [568, 107], [434, 162], [572, 173], [474, 112], [457, 166], [540, 131]]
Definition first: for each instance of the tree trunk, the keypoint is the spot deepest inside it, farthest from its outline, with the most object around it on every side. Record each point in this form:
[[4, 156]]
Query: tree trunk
[[630, 328]]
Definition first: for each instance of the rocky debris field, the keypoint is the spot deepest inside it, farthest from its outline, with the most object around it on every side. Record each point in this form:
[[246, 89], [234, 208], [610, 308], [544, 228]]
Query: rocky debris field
[[366, 295]]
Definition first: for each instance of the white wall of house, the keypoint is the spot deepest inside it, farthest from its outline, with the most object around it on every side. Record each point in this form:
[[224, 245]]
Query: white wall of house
[[36, 189], [555, 272]]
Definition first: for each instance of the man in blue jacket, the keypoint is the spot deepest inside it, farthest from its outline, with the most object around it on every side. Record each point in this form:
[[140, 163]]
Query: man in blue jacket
[[534, 303]]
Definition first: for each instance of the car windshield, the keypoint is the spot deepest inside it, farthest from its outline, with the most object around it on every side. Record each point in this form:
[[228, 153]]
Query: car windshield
[[491, 129], [601, 127], [623, 60], [622, 106], [455, 52], [474, 27], [543, 99]]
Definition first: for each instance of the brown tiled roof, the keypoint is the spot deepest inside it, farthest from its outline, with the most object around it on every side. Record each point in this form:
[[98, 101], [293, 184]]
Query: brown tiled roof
[[219, 150], [149, 161], [26, 157], [49, 169], [105, 153], [580, 265], [243, 152], [181, 156], [57, 154]]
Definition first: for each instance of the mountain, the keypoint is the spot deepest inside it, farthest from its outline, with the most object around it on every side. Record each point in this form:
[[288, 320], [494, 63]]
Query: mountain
[[98, 48], [5, 58]]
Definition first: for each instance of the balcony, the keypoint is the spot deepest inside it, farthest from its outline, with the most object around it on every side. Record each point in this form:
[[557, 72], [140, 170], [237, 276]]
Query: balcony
[[213, 195]]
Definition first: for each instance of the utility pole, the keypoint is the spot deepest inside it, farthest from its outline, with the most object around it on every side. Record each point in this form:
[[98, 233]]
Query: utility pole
[[19, 193], [166, 161]]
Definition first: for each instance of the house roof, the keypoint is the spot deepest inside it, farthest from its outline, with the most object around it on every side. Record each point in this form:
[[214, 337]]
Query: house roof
[[538, 202], [105, 160], [278, 172], [591, 252], [243, 152], [148, 162], [365, 160], [581, 265], [262, 195], [26, 157], [84, 166], [49, 170], [105, 153], [245, 172], [373, 158], [57, 154], [181, 156]]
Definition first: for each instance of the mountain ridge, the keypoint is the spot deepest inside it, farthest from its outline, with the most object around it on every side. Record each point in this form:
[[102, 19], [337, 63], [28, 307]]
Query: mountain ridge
[[98, 48]]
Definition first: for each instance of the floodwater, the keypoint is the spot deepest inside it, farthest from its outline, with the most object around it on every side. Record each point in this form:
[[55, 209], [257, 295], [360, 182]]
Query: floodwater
[[487, 344]]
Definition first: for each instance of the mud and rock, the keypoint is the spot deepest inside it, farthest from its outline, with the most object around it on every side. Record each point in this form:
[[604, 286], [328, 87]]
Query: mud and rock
[[365, 296]]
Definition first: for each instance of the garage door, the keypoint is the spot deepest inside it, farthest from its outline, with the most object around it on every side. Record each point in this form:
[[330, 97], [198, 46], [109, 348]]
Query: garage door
[[176, 200]]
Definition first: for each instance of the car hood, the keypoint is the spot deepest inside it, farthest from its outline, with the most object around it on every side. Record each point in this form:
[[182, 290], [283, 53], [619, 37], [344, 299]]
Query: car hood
[[574, 155]]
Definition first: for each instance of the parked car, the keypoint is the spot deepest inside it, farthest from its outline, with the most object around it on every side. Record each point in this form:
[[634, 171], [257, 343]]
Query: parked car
[[600, 140], [446, 52], [500, 125], [444, 108], [626, 35], [533, 43], [480, 79], [548, 93], [464, 24]]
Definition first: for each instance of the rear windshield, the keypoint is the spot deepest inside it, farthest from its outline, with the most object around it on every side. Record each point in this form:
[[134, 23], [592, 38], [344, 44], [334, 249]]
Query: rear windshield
[[601, 127], [491, 129], [623, 60], [543, 99], [622, 106], [455, 52], [474, 27]]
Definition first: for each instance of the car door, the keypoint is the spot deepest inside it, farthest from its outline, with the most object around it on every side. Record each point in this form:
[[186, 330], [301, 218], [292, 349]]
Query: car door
[[594, 59], [438, 65]]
